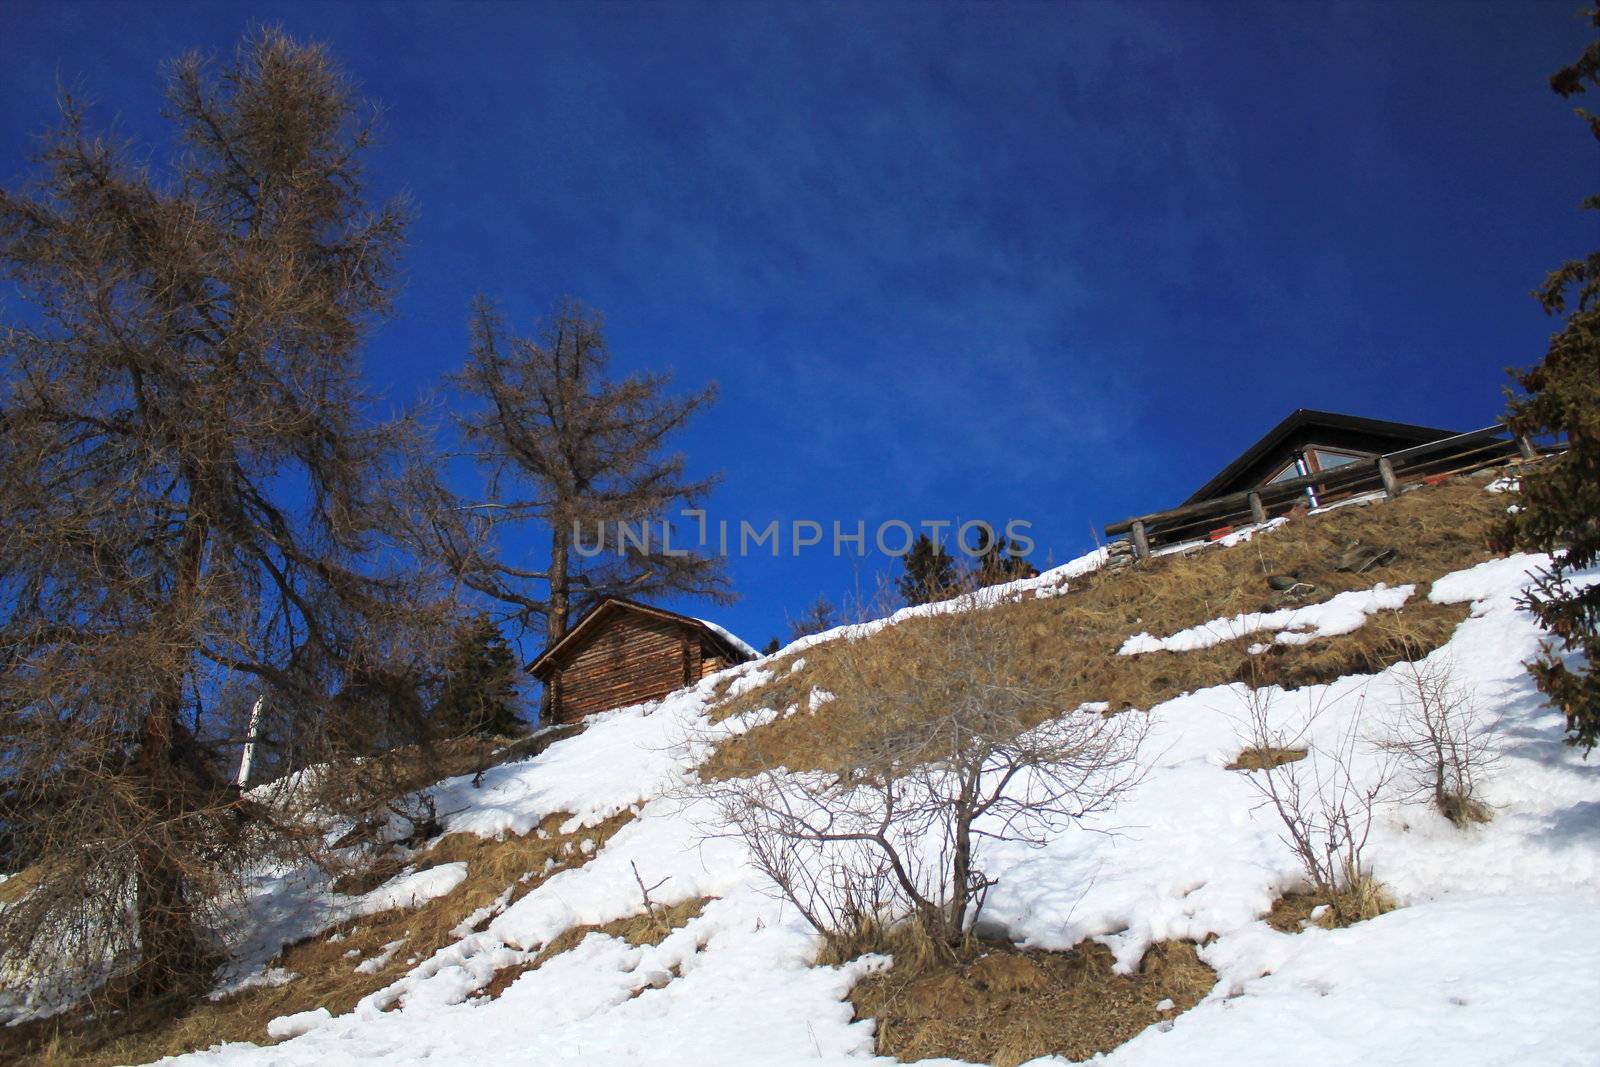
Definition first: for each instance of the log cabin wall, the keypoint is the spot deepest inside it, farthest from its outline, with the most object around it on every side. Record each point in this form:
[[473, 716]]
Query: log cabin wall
[[629, 658]]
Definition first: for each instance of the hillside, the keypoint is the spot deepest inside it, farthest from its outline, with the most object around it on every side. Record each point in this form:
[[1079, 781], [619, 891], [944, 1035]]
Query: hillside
[[592, 904]]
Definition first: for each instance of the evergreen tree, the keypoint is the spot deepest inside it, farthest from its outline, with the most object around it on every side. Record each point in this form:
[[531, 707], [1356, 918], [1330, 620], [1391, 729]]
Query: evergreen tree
[[479, 695], [771, 647], [1561, 497], [930, 573]]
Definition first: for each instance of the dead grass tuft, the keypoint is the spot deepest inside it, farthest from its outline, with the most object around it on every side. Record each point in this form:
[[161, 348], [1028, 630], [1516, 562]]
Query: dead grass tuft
[[326, 963], [1364, 899], [1260, 758], [995, 1003], [1293, 912], [1069, 643], [1464, 810]]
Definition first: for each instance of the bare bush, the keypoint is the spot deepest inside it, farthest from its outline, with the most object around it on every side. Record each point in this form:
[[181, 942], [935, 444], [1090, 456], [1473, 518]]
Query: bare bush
[[1327, 810], [1442, 746], [952, 753]]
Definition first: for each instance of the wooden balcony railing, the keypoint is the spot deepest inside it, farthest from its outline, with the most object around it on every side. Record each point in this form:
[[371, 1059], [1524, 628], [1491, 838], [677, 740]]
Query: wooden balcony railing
[[1448, 455]]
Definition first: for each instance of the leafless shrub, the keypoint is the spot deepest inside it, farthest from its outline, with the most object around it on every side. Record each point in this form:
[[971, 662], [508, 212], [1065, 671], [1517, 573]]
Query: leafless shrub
[[1442, 746], [1327, 811], [955, 753]]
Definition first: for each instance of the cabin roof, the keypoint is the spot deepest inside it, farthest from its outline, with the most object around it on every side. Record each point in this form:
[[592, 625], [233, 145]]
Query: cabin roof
[[1303, 423], [595, 618]]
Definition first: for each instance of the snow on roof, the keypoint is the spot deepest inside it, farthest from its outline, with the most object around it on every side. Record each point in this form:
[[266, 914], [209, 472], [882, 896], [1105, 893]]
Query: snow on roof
[[730, 637]]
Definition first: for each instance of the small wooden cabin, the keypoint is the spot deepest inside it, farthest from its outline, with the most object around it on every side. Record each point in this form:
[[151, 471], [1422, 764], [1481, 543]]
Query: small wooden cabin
[[622, 652], [1308, 442]]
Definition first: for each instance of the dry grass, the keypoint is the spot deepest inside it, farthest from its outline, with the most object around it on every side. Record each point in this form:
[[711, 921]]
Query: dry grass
[[20, 884], [1464, 810], [1367, 899], [326, 962], [994, 1003], [1070, 642], [1259, 759]]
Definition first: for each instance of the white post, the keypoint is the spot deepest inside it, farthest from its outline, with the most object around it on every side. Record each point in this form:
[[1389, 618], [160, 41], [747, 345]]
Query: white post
[[249, 745]]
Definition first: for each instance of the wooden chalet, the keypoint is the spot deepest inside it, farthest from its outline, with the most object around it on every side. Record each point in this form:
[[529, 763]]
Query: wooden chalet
[[622, 652], [1309, 442], [1315, 458]]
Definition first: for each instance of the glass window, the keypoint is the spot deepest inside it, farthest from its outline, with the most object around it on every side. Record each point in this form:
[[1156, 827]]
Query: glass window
[[1288, 472], [1328, 459]]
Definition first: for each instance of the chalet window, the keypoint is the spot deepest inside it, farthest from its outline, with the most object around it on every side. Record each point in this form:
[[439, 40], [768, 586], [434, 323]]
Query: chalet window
[[1298, 467], [1290, 470], [1327, 458]]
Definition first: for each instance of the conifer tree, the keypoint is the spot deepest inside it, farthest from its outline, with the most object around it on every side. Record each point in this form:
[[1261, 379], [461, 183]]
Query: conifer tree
[[190, 496], [930, 572], [479, 694], [1561, 497]]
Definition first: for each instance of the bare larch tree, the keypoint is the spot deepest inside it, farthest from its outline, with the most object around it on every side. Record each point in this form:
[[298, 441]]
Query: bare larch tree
[[190, 495], [578, 453]]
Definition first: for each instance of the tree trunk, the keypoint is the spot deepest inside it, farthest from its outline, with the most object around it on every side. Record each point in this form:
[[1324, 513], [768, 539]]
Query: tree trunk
[[560, 598], [555, 624], [170, 946], [961, 876]]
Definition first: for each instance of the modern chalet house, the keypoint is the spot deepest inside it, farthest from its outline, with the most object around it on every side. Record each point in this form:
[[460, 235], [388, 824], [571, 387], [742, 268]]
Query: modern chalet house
[[1314, 458], [622, 652], [1308, 442]]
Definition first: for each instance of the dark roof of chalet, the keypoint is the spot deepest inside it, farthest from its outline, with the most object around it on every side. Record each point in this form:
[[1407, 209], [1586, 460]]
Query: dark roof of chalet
[[737, 651], [1403, 433]]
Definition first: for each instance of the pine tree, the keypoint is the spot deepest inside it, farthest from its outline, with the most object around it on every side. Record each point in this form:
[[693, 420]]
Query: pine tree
[[930, 573], [479, 695], [1561, 497]]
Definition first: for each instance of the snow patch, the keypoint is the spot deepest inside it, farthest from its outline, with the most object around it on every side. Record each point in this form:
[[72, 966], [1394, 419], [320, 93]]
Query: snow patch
[[411, 890], [1341, 614], [287, 1026]]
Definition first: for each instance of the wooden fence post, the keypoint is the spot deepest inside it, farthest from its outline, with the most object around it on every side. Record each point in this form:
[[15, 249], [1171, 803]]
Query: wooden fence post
[[1528, 451], [1258, 513], [1391, 485], [1141, 543]]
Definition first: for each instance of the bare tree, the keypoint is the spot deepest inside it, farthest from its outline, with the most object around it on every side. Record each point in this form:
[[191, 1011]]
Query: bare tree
[[820, 616], [190, 495], [1326, 808], [1436, 734], [952, 752], [566, 447]]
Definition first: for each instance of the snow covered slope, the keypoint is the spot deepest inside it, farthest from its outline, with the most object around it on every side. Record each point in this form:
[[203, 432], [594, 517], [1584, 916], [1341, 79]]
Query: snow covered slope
[[1491, 959]]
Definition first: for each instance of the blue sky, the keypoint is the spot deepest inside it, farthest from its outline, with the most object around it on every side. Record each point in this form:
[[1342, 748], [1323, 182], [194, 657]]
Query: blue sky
[[1050, 262]]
